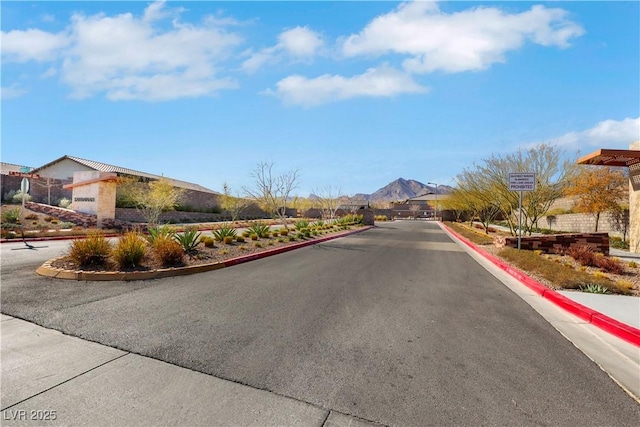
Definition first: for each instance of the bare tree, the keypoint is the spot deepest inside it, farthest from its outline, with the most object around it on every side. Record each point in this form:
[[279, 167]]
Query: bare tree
[[329, 199], [48, 183], [272, 191], [414, 209]]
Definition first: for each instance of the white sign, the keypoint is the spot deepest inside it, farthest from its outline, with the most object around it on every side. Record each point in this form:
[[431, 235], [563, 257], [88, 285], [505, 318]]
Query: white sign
[[522, 181], [24, 186]]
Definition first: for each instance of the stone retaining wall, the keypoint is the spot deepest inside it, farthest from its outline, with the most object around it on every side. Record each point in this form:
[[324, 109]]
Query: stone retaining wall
[[133, 215], [560, 242], [583, 223]]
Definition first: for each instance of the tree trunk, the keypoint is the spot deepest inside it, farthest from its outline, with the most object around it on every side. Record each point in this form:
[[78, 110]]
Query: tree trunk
[[597, 220]]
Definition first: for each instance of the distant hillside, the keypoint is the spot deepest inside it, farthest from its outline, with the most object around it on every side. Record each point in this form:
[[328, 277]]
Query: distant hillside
[[402, 189]]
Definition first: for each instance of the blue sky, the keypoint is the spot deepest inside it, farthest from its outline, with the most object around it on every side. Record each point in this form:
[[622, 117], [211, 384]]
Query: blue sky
[[353, 94]]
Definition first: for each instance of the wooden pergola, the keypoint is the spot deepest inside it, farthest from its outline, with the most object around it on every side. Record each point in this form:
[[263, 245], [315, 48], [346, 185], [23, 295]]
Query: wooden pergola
[[607, 157]]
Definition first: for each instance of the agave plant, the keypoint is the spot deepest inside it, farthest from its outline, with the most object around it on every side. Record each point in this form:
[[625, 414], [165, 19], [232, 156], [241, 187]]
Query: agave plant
[[160, 232], [189, 239], [301, 224], [223, 232], [258, 228], [593, 288]]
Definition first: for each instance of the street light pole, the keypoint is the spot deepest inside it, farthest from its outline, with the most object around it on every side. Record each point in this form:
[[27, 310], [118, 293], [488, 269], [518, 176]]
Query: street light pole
[[433, 183]]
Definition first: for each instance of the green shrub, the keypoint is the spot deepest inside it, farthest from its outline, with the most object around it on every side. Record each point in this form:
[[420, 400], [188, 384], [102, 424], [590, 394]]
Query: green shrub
[[11, 216], [188, 239], [319, 223], [130, 250], [168, 252], [17, 198], [618, 243], [284, 231], [94, 250], [64, 203], [280, 239], [8, 196], [223, 232], [292, 238]]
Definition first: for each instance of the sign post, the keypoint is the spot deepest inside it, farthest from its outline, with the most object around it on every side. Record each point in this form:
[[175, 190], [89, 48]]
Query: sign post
[[521, 182]]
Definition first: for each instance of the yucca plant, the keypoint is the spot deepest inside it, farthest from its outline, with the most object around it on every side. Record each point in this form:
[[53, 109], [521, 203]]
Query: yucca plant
[[223, 232], [11, 216], [594, 289]]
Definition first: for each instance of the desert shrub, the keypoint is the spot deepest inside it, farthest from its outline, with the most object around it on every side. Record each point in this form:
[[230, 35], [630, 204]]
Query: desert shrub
[[561, 275], [130, 250], [223, 232], [17, 198], [31, 216], [280, 239], [239, 239], [55, 222], [258, 228], [188, 239], [11, 216], [8, 196], [64, 203], [254, 236], [583, 254], [284, 231], [610, 265], [66, 224], [94, 250], [618, 243], [227, 240], [208, 242], [633, 264], [292, 238], [162, 231], [48, 218], [257, 244], [168, 252]]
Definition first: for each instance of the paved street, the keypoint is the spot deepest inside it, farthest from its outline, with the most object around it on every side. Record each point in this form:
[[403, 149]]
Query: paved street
[[396, 325]]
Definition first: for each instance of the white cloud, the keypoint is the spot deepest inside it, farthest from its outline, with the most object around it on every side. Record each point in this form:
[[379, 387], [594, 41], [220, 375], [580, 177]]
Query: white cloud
[[13, 91], [375, 82], [32, 45], [128, 57], [298, 44], [605, 134], [472, 39]]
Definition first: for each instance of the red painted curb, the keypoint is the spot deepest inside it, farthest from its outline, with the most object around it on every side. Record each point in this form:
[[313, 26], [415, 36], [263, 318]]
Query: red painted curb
[[602, 321]]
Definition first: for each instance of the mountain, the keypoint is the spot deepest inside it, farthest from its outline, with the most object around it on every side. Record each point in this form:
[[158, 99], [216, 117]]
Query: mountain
[[402, 189]]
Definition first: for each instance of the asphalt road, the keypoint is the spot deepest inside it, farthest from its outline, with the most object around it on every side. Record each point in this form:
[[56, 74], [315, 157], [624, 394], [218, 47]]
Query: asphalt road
[[395, 325]]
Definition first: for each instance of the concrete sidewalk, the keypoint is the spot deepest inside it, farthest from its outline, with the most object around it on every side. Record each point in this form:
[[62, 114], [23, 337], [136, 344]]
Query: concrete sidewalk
[[53, 379]]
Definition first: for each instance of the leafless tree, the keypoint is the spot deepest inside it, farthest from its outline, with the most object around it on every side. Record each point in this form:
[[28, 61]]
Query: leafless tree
[[329, 199], [272, 191]]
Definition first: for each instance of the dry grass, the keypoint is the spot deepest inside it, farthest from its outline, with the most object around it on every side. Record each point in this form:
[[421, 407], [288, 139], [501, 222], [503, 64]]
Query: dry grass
[[562, 271]]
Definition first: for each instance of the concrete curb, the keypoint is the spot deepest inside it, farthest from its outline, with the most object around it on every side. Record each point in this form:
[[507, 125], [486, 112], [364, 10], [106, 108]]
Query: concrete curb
[[47, 270], [621, 330]]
